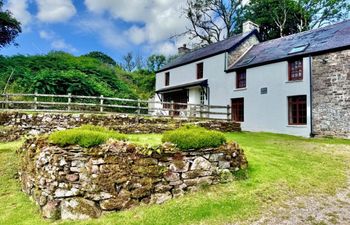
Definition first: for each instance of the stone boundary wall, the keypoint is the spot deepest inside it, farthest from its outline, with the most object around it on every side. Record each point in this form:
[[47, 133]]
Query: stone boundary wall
[[34, 124], [77, 183], [331, 94]]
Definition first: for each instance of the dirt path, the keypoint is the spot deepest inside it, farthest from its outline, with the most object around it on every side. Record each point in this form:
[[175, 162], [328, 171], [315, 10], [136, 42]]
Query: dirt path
[[315, 210], [320, 210]]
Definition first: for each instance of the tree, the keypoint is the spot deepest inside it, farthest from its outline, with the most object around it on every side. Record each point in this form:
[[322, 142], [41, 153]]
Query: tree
[[212, 20], [155, 62], [9, 27], [101, 57], [318, 13], [129, 62], [278, 18]]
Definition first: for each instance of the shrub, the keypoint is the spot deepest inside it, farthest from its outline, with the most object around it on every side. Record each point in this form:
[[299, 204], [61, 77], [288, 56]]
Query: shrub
[[85, 136], [191, 137]]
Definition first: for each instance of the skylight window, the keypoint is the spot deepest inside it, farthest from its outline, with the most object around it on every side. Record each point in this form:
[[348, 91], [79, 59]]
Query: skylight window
[[298, 49], [248, 60]]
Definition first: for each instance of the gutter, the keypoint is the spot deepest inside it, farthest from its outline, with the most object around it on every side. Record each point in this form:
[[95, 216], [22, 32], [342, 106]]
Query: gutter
[[312, 134]]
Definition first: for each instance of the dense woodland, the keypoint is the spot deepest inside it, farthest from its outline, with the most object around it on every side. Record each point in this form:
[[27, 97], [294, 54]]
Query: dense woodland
[[62, 73]]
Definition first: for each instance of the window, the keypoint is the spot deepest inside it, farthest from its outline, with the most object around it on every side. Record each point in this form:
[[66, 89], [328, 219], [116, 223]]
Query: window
[[199, 70], [167, 78], [237, 109], [241, 79], [202, 97], [297, 114], [295, 70], [298, 49]]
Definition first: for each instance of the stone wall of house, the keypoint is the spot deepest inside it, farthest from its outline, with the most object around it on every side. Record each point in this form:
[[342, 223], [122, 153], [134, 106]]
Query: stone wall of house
[[237, 53], [18, 124], [331, 94], [77, 183]]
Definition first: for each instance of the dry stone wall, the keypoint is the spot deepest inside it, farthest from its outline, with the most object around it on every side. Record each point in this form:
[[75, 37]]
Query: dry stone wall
[[77, 183], [331, 94], [34, 124]]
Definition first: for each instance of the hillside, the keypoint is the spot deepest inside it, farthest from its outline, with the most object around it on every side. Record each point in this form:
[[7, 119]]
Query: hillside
[[62, 73]]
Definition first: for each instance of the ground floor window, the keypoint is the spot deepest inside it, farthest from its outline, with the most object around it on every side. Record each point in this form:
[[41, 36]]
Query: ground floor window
[[202, 97], [237, 109], [297, 110]]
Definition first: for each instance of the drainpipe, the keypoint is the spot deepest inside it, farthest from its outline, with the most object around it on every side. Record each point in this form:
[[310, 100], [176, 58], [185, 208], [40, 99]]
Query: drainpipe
[[311, 98]]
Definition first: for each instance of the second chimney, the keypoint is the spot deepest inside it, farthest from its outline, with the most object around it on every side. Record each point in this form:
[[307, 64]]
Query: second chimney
[[183, 50], [249, 26]]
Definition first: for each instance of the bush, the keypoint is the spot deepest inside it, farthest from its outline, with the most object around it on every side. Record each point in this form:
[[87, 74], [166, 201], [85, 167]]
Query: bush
[[191, 137], [85, 136]]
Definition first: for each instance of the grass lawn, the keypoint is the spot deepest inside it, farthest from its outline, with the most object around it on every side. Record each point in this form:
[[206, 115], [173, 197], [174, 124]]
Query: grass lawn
[[280, 167]]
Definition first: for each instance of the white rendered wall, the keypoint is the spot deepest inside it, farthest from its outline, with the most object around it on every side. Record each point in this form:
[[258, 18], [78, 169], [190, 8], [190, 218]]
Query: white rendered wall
[[269, 112], [213, 70]]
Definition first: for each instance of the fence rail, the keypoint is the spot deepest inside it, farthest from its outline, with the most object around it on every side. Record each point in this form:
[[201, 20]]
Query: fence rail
[[101, 104]]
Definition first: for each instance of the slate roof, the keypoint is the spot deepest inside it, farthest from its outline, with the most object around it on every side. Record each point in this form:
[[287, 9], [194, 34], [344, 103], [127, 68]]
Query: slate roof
[[208, 51], [324, 39]]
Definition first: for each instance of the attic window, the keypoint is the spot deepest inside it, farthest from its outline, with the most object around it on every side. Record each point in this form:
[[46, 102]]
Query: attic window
[[298, 49], [248, 60]]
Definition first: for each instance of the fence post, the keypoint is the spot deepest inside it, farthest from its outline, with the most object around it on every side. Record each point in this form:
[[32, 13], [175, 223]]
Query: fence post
[[101, 103], [7, 101], [138, 107], [35, 101], [69, 101], [228, 112], [172, 112]]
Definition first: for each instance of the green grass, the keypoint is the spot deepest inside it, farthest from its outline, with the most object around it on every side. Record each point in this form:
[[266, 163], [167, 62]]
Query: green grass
[[280, 167], [142, 139], [194, 137], [85, 136]]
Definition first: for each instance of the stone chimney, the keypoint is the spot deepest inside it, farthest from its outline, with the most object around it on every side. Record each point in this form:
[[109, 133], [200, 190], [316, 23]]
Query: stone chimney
[[183, 50], [249, 26]]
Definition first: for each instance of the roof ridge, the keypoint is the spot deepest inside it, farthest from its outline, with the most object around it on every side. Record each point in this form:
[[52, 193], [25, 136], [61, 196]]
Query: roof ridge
[[218, 42], [305, 32]]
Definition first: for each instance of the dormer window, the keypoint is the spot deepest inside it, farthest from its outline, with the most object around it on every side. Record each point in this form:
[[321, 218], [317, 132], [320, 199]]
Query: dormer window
[[199, 70], [241, 79], [295, 71], [167, 78]]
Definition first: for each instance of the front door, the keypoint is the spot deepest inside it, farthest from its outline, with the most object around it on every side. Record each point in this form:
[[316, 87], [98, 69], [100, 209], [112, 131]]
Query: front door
[[176, 97]]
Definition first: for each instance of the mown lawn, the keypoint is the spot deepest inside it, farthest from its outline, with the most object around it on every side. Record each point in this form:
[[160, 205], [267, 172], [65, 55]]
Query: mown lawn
[[280, 167]]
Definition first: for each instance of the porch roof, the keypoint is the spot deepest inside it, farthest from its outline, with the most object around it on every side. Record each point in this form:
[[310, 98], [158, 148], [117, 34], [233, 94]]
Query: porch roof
[[200, 83]]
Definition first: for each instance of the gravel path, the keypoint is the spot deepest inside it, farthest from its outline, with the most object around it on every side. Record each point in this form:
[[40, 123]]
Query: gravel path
[[313, 210], [320, 210]]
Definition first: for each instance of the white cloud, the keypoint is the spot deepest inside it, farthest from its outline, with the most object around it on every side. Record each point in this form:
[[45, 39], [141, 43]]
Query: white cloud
[[167, 48], [19, 9], [156, 20], [56, 42], [60, 44], [105, 30], [52, 11], [46, 35]]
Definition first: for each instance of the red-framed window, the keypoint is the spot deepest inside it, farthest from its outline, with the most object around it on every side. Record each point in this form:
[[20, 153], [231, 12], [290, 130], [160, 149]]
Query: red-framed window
[[295, 70], [241, 79], [167, 78], [199, 70], [237, 109], [297, 110]]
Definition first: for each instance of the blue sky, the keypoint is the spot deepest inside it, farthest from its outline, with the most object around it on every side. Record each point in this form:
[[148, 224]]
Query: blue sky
[[111, 26]]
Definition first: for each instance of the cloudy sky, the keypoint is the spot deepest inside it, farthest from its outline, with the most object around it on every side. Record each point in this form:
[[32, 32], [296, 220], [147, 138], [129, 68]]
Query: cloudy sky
[[111, 26]]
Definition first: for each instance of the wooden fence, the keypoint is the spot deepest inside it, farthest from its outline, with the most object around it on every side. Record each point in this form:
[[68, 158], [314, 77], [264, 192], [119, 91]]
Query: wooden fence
[[101, 104]]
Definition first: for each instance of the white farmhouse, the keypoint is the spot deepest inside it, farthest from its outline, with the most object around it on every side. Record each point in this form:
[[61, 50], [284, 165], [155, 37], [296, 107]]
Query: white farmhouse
[[299, 84]]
